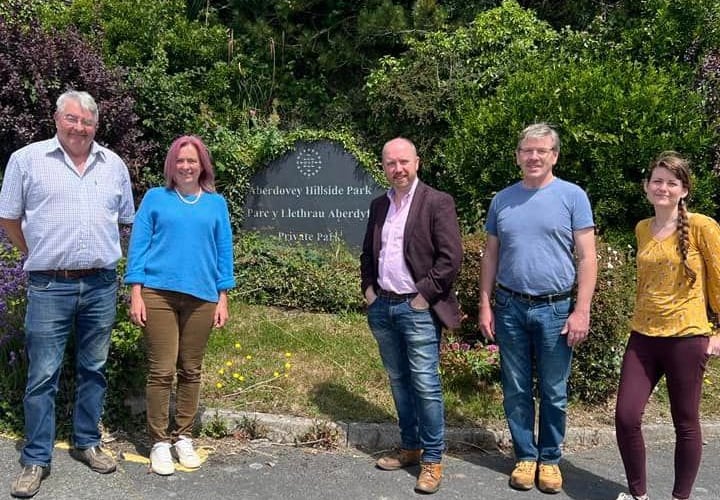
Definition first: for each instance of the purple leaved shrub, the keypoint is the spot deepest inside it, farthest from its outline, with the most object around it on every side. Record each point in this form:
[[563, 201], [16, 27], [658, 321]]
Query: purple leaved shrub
[[12, 356], [37, 65]]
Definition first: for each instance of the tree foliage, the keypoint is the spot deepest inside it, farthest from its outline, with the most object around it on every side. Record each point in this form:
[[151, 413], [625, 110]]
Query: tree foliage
[[417, 93], [613, 118], [661, 30], [312, 56], [36, 66]]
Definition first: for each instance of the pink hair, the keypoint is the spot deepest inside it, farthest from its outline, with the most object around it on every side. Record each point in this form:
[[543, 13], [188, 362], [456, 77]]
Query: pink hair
[[207, 176]]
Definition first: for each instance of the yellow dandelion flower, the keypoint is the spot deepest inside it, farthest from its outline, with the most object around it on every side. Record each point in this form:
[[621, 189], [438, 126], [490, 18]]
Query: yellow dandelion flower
[[228, 363], [276, 374], [236, 375], [249, 356], [241, 379], [221, 371], [287, 375], [237, 345], [219, 385], [287, 366], [288, 354]]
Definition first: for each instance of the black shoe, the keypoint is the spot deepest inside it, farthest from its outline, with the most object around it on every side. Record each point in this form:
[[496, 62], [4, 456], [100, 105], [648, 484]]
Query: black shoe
[[95, 458], [27, 484]]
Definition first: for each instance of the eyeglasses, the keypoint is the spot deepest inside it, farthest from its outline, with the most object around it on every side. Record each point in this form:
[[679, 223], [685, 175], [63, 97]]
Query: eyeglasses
[[539, 151], [74, 120]]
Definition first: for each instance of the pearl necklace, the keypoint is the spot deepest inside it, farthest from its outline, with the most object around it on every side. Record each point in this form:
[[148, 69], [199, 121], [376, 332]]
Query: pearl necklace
[[185, 200]]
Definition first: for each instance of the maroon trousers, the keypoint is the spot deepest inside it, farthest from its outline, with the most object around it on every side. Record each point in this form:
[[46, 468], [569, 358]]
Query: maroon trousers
[[682, 360]]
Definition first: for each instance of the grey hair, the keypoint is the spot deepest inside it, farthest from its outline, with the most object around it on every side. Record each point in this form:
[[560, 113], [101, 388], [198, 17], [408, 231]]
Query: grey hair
[[85, 100], [539, 130]]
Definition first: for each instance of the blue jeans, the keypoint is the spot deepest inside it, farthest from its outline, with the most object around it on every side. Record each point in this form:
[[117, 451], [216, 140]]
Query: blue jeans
[[55, 309], [528, 331], [409, 343]]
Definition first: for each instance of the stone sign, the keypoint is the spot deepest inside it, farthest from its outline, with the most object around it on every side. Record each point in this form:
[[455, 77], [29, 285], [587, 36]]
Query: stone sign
[[317, 193]]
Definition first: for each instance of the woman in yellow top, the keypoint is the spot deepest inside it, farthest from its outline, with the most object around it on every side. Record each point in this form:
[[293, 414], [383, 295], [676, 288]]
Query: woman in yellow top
[[678, 280]]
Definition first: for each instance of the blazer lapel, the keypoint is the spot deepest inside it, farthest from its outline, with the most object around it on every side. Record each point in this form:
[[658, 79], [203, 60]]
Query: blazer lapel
[[382, 211], [414, 213]]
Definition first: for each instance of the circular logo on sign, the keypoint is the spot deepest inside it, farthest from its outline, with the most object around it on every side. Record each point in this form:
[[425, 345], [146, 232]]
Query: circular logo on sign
[[309, 162]]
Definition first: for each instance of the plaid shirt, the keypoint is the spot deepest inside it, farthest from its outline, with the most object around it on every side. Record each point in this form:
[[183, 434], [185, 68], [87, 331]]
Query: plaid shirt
[[69, 221]]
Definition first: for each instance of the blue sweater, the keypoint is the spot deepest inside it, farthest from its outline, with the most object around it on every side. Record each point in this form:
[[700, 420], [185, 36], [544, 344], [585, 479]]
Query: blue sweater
[[180, 247]]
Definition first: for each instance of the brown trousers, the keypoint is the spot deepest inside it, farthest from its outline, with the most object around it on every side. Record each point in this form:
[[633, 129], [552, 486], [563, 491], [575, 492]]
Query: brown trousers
[[176, 334]]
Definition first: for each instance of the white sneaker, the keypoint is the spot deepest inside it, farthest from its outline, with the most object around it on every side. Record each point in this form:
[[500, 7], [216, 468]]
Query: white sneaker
[[628, 496], [186, 453], [161, 460]]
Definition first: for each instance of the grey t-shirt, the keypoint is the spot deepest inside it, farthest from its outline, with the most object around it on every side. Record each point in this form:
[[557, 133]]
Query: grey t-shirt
[[535, 231]]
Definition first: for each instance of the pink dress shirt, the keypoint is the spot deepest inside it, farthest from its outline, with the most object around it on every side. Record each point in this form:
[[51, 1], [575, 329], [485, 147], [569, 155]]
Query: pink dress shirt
[[393, 272]]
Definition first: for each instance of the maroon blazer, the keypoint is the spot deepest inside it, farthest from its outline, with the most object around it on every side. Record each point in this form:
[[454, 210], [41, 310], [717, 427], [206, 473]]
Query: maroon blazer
[[433, 249]]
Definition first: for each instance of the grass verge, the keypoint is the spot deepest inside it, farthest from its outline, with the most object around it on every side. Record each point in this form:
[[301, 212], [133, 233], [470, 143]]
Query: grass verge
[[327, 366]]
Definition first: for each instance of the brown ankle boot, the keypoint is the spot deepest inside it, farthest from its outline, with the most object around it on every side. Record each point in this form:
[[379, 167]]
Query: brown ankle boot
[[549, 478], [402, 458], [429, 479]]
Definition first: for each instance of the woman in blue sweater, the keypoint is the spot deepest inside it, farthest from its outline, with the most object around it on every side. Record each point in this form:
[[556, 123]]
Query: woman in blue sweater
[[180, 266]]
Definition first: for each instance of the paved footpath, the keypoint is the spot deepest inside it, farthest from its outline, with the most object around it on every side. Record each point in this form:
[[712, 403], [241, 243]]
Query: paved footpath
[[271, 471]]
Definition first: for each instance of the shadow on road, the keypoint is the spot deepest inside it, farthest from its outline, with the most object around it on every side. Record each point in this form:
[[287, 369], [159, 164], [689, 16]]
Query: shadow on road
[[578, 483]]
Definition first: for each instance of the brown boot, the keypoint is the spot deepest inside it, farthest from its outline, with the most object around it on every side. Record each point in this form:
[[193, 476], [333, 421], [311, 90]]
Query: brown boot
[[402, 458], [429, 479], [523, 476], [550, 478]]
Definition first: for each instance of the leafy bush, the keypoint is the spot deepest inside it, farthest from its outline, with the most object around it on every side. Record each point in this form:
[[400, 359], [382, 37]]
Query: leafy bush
[[467, 286], [657, 30], [613, 117], [709, 83], [463, 364], [596, 362], [13, 362], [37, 66], [310, 277], [448, 67], [126, 368]]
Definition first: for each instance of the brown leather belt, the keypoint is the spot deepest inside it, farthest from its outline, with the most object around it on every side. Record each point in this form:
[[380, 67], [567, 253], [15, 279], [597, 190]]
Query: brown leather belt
[[71, 274]]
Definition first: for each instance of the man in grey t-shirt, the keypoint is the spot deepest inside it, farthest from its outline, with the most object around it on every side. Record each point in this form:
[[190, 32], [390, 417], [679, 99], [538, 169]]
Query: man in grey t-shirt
[[540, 263]]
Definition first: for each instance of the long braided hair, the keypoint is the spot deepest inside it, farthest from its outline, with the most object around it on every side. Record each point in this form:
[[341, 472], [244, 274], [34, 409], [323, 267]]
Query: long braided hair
[[680, 168]]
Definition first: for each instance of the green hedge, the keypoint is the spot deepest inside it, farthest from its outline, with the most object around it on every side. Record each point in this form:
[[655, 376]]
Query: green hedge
[[596, 363], [315, 278]]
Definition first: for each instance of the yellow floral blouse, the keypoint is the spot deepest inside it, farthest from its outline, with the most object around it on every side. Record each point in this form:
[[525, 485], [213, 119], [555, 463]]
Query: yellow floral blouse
[[665, 305]]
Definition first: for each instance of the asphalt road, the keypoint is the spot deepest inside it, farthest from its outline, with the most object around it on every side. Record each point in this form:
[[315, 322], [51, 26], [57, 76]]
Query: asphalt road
[[267, 471]]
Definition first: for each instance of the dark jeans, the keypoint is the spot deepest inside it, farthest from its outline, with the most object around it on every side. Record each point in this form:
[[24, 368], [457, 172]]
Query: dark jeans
[[527, 331], [56, 309], [682, 360], [409, 343]]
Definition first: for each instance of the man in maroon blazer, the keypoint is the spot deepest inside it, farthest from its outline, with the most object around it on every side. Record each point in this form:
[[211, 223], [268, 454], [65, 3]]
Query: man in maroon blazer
[[411, 256]]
